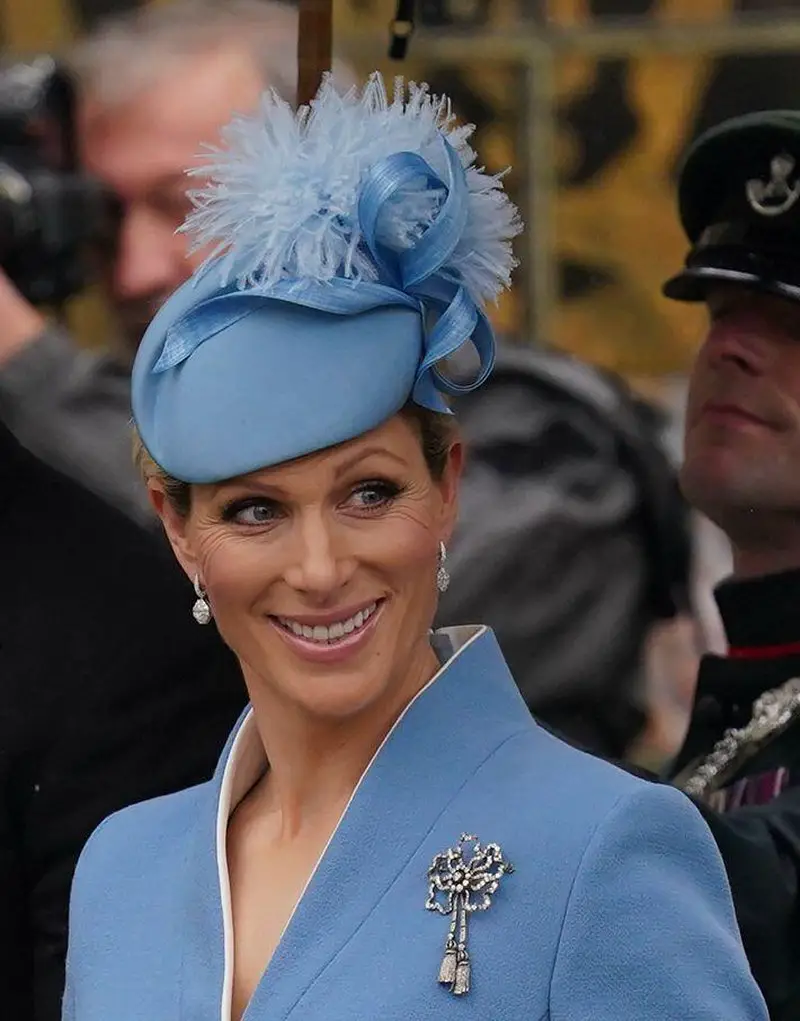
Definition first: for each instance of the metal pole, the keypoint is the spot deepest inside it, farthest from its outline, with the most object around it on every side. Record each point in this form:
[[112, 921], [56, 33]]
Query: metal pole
[[314, 46], [540, 270]]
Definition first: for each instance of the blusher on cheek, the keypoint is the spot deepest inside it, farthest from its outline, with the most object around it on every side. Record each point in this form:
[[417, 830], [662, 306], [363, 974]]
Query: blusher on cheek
[[404, 542], [236, 570], [237, 577]]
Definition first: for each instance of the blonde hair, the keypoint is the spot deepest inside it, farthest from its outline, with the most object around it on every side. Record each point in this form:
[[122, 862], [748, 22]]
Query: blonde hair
[[437, 434], [178, 493]]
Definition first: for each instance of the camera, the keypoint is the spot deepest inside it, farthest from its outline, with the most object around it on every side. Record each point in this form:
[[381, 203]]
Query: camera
[[54, 219]]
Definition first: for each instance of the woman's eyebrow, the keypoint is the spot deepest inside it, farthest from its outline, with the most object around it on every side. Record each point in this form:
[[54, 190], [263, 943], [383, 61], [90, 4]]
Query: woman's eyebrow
[[362, 455], [274, 489]]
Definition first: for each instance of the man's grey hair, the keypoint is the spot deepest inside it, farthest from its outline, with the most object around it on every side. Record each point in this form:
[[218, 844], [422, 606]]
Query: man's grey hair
[[128, 53]]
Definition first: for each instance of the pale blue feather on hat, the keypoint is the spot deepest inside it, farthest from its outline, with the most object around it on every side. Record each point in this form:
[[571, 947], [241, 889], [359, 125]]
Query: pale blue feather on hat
[[351, 247]]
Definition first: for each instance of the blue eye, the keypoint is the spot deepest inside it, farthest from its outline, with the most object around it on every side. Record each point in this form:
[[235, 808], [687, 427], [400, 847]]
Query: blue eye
[[255, 511], [375, 495], [256, 514]]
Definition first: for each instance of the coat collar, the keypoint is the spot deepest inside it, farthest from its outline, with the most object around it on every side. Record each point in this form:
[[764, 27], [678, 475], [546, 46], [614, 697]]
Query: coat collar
[[760, 616], [449, 729]]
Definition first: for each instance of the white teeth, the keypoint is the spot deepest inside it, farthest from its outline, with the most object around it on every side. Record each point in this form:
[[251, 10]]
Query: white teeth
[[321, 633]]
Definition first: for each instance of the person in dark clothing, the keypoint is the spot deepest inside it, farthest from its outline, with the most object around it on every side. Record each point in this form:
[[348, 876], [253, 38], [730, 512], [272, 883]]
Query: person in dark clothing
[[109, 694], [739, 198], [573, 540]]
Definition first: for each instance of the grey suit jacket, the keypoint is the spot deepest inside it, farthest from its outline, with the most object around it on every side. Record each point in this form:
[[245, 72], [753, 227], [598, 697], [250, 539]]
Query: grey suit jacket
[[71, 408]]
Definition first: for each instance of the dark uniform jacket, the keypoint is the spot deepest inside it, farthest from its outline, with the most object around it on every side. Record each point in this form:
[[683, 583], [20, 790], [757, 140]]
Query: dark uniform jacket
[[110, 693], [756, 816]]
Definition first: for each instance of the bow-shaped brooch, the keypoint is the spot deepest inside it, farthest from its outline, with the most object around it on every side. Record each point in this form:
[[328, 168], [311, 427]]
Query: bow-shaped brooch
[[458, 885]]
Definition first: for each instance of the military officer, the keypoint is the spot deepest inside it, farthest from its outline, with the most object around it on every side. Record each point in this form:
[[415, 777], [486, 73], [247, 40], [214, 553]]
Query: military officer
[[739, 198]]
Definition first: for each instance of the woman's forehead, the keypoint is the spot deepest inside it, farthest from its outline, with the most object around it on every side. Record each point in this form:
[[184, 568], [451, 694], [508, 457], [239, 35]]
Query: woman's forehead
[[394, 442]]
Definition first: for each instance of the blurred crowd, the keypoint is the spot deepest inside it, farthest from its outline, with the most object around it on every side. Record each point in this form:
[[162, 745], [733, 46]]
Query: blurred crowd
[[574, 543]]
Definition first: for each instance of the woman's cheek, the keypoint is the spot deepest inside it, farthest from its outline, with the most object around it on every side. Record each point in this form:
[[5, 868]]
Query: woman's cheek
[[236, 569], [405, 538]]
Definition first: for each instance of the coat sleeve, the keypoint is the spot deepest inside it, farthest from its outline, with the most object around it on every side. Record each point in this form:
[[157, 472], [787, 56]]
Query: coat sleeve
[[649, 933]]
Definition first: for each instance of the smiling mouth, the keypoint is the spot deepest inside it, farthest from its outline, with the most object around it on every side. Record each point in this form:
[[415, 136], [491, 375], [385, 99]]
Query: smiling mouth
[[330, 634]]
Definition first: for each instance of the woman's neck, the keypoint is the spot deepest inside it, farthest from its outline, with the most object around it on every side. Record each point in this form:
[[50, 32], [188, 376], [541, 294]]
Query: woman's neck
[[316, 762]]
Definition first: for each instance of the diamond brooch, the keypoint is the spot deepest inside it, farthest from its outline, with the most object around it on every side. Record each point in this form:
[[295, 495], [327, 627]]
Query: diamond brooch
[[460, 883]]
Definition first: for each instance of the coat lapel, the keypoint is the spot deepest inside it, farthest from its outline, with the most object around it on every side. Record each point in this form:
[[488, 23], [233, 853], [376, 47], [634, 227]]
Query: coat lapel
[[431, 752], [200, 903]]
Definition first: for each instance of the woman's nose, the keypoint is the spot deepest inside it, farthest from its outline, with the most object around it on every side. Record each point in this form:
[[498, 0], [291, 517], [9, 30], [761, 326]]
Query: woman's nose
[[320, 563]]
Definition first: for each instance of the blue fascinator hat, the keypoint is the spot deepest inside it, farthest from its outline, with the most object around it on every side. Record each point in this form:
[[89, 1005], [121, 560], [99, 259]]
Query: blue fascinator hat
[[353, 245]]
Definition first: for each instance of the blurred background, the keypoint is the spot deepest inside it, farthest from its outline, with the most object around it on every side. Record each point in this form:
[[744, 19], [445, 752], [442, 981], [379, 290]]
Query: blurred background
[[591, 102]]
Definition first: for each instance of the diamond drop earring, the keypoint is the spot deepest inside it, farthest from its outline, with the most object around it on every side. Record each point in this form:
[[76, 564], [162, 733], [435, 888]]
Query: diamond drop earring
[[201, 611], [442, 575]]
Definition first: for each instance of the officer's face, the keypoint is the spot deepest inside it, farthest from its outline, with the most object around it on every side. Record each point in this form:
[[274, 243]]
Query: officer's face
[[141, 149], [742, 445]]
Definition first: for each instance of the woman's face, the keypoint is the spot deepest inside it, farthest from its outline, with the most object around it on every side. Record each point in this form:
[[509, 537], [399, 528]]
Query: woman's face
[[321, 572]]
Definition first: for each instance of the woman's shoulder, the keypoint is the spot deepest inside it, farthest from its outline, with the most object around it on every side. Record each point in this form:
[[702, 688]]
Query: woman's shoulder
[[543, 777], [577, 776], [587, 826], [130, 842]]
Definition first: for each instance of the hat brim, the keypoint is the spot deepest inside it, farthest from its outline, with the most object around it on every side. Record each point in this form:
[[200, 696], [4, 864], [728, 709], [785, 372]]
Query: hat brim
[[692, 283], [271, 386]]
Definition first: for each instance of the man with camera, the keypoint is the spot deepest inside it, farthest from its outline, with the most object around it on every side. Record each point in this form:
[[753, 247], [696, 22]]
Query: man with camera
[[153, 86]]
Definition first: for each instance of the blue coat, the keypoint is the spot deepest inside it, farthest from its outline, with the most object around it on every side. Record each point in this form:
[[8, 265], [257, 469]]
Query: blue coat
[[618, 907]]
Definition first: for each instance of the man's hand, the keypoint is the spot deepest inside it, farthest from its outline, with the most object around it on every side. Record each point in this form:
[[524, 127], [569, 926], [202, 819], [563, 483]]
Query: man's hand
[[20, 323]]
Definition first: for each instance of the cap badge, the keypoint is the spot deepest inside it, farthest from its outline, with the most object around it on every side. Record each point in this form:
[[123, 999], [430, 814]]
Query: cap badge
[[776, 196]]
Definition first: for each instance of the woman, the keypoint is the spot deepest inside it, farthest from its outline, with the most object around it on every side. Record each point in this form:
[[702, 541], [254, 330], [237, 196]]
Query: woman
[[388, 834]]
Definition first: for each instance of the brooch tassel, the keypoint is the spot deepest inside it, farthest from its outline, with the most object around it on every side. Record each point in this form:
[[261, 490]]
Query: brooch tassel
[[463, 969], [447, 972]]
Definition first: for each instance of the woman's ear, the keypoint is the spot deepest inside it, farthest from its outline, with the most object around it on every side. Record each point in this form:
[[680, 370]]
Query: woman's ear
[[449, 485], [175, 526]]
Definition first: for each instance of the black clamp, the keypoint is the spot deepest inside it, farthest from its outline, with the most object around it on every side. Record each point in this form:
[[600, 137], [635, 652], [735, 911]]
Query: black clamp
[[402, 28]]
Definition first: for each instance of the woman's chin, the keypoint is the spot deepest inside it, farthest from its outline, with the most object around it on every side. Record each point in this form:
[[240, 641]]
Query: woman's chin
[[338, 696], [331, 679]]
